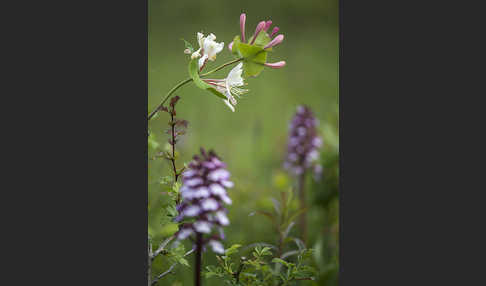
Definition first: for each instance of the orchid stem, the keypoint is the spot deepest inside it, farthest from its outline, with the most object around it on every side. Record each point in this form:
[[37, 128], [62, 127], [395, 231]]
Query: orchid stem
[[186, 81], [198, 258]]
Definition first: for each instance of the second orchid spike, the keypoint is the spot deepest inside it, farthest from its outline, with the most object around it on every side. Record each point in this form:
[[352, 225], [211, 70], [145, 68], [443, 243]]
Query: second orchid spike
[[242, 27]]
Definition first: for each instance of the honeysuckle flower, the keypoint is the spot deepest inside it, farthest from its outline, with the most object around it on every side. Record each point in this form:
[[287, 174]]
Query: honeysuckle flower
[[262, 26], [276, 65], [230, 86], [208, 48], [258, 29], [274, 31], [277, 40], [242, 26], [203, 198], [303, 144], [267, 25]]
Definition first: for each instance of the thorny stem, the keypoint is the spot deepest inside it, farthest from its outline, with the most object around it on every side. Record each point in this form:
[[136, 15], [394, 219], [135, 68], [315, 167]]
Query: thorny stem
[[186, 81], [302, 199], [197, 270]]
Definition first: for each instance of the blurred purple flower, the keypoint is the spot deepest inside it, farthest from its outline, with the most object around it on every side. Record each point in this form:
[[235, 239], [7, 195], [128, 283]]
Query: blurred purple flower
[[303, 144]]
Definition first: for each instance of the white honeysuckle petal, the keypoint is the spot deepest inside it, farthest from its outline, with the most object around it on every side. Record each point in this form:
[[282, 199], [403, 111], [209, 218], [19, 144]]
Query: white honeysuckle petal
[[229, 105], [200, 39], [211, 37], [202, 60], [234, 76], [202, 226], [196, 54]]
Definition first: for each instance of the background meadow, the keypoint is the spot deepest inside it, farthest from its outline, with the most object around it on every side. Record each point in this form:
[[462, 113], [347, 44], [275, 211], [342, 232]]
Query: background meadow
[[252, 141]]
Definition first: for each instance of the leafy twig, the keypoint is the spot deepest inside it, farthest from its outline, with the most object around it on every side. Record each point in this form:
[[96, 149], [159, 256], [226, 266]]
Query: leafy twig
[[159, 107], [156, 279], [162, 246]]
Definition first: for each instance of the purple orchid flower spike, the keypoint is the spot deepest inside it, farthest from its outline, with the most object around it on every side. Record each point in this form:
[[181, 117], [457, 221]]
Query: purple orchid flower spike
[[304, 144], [204, 195], [242, 27]]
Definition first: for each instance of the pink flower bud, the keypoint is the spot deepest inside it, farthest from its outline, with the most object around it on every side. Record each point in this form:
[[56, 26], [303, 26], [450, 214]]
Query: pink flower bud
[[230, 46], [258, 29], [267, 25], [274, 31], [242, 27], [277, 40], [276, 65]]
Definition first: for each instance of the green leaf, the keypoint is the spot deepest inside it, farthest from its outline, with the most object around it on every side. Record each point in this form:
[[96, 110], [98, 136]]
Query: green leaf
[[254, 57], [281, 261], [194, 73], [169, 229], [232, 249], [263, 39]]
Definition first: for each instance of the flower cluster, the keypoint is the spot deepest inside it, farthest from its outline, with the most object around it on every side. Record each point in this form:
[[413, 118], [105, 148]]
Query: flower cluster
[[304, 143], [262, 27], [230, 86], [252, 53], [203, 198], [208, 49]]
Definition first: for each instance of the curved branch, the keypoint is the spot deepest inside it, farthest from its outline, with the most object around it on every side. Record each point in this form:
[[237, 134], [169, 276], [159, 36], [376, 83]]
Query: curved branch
[[156, 279]]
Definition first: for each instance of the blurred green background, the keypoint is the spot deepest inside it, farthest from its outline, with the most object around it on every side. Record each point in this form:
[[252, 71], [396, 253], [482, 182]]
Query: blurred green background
[[252, 141]]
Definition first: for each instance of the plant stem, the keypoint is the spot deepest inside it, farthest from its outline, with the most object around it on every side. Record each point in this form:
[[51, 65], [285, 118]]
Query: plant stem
[[303, 205], [186, 81], [222, 66], [172, 159], [197, 270], [167, 96]]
